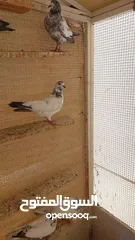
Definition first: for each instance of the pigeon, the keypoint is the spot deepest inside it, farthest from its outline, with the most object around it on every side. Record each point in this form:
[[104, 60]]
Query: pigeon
[[40, 228], [57, 26], [44, 108], [3, 26]]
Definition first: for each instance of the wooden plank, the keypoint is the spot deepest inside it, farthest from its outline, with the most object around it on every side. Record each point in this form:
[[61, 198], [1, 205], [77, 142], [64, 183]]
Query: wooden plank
[[112, 13], [89, 104], [18, 6], [78, 6], [63, 7], [36, 55], [62, 183], [113, 229], [25, 130], [111, 7], [69, 14]]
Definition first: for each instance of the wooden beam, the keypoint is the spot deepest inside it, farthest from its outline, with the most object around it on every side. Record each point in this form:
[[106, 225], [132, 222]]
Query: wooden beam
[[63, 7], [73, 14], [18, 6], [78, 6], [89, 104], [111, 10], [30, 129]]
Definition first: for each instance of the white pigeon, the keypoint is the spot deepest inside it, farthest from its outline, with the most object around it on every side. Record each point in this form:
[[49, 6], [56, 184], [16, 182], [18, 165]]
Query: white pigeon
[[44, 108], [40, 228], [57, 26]]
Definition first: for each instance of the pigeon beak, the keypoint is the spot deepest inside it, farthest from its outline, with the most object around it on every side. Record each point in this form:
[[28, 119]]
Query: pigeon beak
[[49, 6], [64, 86]]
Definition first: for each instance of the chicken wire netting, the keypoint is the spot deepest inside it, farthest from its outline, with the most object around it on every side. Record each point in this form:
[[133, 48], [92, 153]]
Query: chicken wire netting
[[114, 115]]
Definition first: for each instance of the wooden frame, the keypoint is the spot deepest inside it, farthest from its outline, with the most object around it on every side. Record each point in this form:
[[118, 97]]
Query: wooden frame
[[89, 104], [111, 10], [71, 13]]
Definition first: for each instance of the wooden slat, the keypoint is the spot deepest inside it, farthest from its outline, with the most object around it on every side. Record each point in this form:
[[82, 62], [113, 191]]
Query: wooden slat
[[69, 14], [114, 9], [89, 105], [111, 7], [22, 131], [78, 6], [20, 6], [36, 55]]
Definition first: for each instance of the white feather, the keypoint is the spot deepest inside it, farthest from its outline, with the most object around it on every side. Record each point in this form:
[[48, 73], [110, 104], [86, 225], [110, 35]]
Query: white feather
[[41, 227], [47, 107], [65, 29]]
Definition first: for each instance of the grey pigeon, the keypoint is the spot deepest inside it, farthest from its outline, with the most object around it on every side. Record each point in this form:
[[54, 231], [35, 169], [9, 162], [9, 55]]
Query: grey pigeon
[[58, 27], [3, 26], [44, 108], [40, 228]]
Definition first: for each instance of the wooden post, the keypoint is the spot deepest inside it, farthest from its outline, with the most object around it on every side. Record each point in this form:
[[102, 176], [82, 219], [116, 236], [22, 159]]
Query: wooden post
[[18, 6], [89, 105]]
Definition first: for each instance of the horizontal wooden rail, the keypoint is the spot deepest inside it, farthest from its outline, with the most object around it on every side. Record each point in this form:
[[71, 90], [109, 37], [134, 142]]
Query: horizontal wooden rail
[[32, 54], [29, 129]]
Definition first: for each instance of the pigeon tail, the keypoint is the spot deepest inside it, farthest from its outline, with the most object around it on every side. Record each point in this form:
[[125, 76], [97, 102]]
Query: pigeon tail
[[76, 34], [9, 29], [16, 104], [3, 26], [3, 23], [70, 39], [21, 234]]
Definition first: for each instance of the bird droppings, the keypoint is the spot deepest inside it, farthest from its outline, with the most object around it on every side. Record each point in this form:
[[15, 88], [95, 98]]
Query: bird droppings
[[25, 130], [12, 205]]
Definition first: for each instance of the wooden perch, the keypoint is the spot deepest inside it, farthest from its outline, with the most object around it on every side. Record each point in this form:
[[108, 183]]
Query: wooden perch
[[18, 6], [12, 218], [29, 129], [36, 55]]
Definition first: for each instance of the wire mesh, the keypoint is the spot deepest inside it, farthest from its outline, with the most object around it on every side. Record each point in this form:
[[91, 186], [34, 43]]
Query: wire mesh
[[114, 115]]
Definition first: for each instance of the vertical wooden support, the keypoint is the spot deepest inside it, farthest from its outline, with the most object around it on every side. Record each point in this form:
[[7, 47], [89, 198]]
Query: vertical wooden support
[[89, 106]]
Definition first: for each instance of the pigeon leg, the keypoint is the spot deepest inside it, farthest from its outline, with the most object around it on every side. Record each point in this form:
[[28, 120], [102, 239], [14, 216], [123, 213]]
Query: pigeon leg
[[57, 48], [45, 238], [51, 122]]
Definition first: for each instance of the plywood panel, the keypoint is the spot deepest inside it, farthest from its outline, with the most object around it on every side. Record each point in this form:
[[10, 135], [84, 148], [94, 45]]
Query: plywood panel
[[29, 162], [96, 4]]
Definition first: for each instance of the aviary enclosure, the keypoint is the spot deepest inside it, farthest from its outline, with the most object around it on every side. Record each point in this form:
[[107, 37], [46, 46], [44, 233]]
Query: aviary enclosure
[[90, 149]]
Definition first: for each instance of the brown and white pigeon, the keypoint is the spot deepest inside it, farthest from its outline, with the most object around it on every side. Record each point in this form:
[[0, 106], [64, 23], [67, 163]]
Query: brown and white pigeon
[[44, 108], [3, 26], [40, 228], [57, 26]]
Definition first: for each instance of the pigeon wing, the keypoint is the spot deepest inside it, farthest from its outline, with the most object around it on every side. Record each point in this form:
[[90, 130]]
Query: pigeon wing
[[40, 228], [50, 104], [65, 29]]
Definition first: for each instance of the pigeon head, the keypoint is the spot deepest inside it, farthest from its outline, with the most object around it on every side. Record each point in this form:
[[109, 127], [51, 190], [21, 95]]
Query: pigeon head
[[53, 222], [58, 90], [60, 85], [55, 7]]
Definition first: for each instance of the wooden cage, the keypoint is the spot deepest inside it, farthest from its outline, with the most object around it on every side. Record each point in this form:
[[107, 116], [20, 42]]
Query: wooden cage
[[36, 158]]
